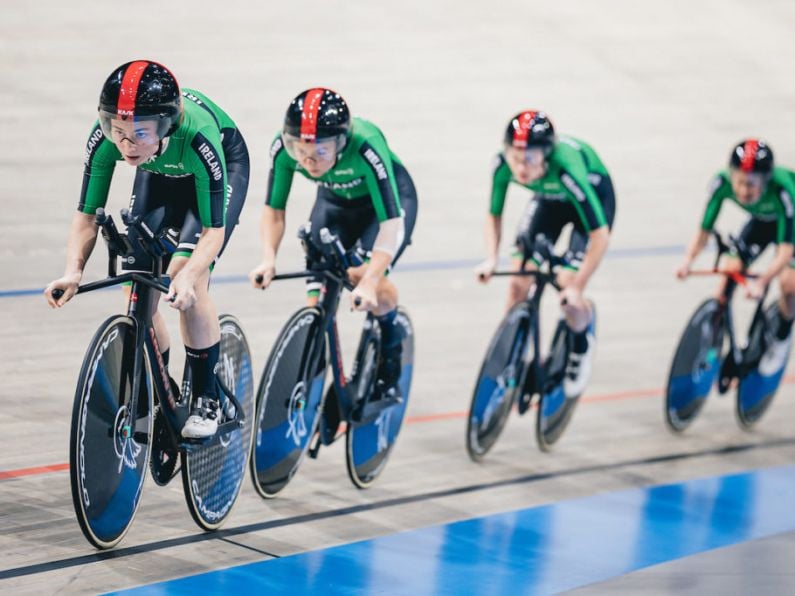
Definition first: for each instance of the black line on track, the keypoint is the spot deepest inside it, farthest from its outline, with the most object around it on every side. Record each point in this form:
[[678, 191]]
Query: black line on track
[[386, 503], [246, 546]]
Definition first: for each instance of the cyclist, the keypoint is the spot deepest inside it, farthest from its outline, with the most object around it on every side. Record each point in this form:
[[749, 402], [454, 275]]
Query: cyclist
[[571, 186], [192, 171], [365, 195], [765, 192]]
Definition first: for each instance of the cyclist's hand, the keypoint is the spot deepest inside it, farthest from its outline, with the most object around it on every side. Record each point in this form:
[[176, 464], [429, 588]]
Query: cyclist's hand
[[181, 293], [363, 296], [67, 284], [683, 271], [485, 270], [754, 289], [262, 275]]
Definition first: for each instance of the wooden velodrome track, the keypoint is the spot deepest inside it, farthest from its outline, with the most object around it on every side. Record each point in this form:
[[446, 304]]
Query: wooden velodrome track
[[662, 91]]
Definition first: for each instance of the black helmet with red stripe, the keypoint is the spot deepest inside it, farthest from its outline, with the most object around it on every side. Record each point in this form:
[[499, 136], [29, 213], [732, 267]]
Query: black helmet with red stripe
[[530, 128], [141, 90], [317, 115], [752, 156]]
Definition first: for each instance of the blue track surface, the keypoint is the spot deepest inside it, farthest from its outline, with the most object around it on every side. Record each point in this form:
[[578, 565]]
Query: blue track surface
[[532, 551]]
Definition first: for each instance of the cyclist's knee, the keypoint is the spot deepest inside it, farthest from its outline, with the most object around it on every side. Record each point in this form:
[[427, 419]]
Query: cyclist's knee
[[355, 274], [176, 265], [519, 288], [565, 277], [732, 263], [787, 282]]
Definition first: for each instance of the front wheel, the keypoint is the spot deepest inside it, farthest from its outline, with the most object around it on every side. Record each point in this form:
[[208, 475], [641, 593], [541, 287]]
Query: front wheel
[[212, 474], [498, 381], [695, 366], [289, 402], [369, 445], [110, 436]]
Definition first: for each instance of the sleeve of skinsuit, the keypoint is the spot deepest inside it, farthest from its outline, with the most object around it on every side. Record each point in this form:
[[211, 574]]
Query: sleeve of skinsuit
[[209, 171], [280, 177], [500, 178], [717, 192], [785, 221], [100, 159], [574, 177], [380, 178]]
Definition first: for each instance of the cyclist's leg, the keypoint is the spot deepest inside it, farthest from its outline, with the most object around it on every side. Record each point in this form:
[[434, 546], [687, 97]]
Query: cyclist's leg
[[389, 368], [387, 292], [237, 178], [199, 325], [542, 217], [786, 309], [578, 318]]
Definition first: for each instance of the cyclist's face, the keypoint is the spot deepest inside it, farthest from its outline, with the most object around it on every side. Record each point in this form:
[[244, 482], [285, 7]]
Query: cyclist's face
[[315, 158], [748, 187], [137, 141], [527, 165]]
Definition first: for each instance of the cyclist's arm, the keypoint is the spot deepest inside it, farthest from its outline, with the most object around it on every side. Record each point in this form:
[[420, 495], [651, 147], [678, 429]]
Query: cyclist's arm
[[780, 261], [208, 166], [100, 160], [82, 238], [280, 177], [696, 245], [380, 177], [786, 229], [271, 230], [387, 243], [207, 248], [597, 247], [209, 174], [492, 232], [718, 192]]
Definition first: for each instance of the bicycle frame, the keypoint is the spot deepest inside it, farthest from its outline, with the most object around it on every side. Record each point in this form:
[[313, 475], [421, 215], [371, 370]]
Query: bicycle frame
[[140, 307], [732, 366], [333, 263], [535, 382]]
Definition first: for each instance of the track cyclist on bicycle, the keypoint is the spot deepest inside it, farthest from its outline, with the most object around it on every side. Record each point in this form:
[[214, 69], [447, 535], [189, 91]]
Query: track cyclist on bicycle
[[570, 185], [364, 194], [192, 171], [766, 192]]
